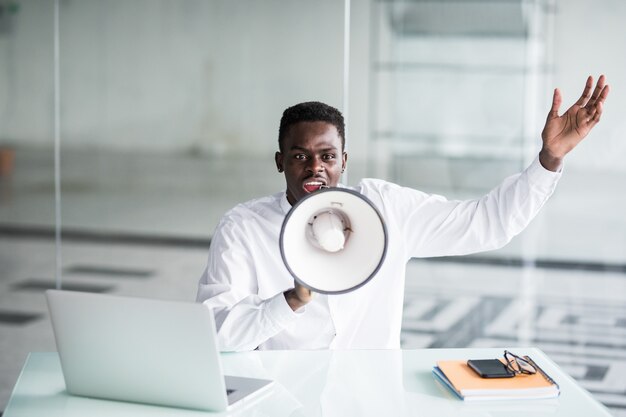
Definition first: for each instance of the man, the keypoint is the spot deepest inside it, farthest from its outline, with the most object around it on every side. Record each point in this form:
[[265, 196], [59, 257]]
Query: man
[[254, 298]]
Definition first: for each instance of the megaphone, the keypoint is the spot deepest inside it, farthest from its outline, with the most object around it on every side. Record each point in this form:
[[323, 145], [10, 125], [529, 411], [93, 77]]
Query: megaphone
[[333, 241]]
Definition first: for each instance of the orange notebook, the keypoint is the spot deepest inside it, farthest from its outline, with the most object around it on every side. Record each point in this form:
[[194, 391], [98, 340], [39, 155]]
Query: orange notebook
[[466, 384]]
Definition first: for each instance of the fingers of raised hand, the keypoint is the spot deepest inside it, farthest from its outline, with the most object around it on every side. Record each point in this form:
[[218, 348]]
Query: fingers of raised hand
[[590, 115], [598, 113], [599, 87], [594, 113], [591, 105], [586, 92], [604, 93], [599, 92], [556, 104], [594, 109]]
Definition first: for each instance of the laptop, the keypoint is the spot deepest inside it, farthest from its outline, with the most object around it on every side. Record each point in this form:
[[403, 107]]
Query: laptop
[[143, 350]]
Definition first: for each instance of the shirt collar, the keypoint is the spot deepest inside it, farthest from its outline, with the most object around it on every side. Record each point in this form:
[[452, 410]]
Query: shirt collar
[[284, 203]]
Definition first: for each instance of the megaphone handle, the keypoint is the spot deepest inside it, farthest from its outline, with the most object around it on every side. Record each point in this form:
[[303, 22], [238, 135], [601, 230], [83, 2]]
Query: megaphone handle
[[298, 296]]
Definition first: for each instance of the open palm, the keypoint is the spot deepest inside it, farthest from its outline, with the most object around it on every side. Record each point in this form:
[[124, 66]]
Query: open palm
[[562, 133]]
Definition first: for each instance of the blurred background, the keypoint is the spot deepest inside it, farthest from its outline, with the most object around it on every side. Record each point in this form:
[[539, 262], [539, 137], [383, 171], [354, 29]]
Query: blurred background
[[127, 128]]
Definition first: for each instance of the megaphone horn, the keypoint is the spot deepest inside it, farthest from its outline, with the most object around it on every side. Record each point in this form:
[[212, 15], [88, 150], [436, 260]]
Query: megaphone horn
[[333, 241]]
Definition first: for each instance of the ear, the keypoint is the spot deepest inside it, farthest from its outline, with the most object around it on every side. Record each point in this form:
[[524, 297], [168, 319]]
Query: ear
[[344, 161], [278, 158]]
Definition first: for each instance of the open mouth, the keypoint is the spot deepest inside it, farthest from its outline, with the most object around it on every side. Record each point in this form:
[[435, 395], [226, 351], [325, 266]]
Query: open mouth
[[311, 186]]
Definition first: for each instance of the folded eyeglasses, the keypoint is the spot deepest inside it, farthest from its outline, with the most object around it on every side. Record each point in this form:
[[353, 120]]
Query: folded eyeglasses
[[518, 365]]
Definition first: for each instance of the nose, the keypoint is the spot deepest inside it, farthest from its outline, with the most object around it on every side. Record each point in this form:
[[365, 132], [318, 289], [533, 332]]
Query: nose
[[315, 165]]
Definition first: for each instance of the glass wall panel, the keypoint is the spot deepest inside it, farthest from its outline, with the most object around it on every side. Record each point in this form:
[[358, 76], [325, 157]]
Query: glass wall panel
[[27, 248], [456, 81], [170, 114], [459, 93], [169, 117], [171, 110]]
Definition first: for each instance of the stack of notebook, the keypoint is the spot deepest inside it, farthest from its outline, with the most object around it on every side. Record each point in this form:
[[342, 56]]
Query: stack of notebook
[[468, 385]]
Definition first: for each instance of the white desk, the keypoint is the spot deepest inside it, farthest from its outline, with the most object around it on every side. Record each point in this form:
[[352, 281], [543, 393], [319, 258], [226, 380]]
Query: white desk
[[318, 383]]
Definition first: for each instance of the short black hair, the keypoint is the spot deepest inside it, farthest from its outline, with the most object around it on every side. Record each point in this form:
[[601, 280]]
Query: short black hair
[[311, 111]]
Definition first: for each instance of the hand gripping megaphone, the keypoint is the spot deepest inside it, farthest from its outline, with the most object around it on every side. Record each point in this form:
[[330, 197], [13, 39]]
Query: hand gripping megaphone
[[333, 241]]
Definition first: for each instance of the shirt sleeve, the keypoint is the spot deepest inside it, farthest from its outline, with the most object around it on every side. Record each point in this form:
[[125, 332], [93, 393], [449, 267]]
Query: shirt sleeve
[[229, 287], [433, 226]]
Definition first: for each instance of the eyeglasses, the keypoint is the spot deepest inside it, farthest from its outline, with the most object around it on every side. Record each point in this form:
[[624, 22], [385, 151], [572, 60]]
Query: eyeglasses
[[518, 365]]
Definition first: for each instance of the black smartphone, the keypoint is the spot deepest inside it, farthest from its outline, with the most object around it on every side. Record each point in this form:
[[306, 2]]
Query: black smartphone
[[490, 368]]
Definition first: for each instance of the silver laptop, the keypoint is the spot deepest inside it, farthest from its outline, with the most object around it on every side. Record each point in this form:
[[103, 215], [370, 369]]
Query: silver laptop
[[143, 350]]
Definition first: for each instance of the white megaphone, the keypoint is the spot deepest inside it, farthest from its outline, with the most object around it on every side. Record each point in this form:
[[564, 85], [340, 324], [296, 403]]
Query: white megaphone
[[333, 241]]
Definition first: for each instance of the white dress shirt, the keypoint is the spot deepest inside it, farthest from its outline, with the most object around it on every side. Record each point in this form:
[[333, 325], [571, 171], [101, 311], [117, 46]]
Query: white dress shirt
[[245, 276]]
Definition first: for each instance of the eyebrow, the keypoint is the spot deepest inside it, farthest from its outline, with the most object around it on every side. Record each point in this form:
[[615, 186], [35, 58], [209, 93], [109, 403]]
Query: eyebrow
[[300, 148]]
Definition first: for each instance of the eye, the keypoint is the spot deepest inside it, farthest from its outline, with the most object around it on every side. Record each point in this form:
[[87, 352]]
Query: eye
[[300, 157], [328, 156]]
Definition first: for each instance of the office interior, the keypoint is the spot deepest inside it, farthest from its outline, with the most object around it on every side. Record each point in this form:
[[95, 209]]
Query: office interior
[[127, 128]]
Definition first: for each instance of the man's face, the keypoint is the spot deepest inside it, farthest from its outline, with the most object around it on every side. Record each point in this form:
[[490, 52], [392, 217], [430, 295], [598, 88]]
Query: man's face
[[312, 157]]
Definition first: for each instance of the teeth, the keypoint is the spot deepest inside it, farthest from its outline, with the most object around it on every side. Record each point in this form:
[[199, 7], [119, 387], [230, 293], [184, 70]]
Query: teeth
[[314, 183]]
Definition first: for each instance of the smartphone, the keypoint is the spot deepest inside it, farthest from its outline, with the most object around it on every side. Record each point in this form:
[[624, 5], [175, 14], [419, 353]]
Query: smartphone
[[490, 368]]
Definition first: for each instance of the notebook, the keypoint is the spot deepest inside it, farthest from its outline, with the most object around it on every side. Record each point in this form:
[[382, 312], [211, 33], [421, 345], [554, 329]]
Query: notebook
[[468, 385], [143, 350]]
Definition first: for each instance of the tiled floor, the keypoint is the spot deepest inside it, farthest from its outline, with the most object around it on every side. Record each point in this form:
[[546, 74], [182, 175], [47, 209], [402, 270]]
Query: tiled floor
[[137, 229]]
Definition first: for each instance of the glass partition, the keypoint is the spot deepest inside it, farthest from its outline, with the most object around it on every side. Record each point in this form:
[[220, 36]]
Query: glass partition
[[27, 247], [169, 115], [171, 119], [458, 97]]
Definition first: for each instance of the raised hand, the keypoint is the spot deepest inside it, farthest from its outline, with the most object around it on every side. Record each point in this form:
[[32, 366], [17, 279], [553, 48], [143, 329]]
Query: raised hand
[[562, 133]]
